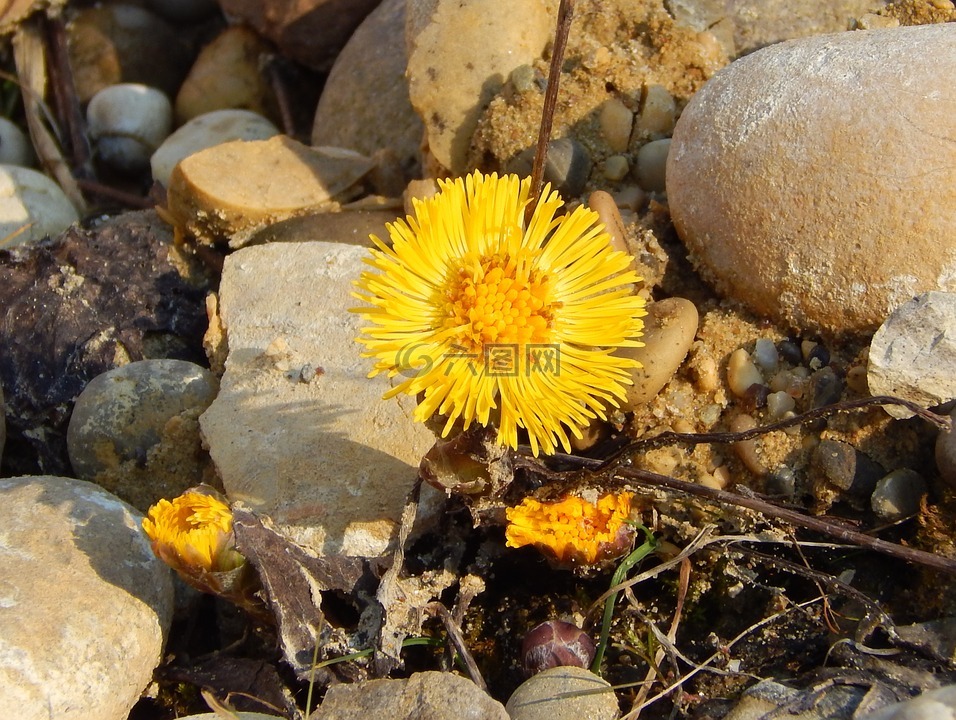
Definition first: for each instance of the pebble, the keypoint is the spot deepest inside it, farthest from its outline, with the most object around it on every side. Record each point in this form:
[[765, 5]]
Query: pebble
[[765, 356], [537, 698], [742, 373], [300, 439], [669, 330], [226, 75], [658, 114], [432, 695], [651, 164], [120, 43], [135, 429], [15, 147], [843, 473], [746, 450], [933, 705], [615, 120], [752, 216], [204, 131], [898, 494], [913, 354], [365, 104], [127, 122], [826, 387], [311, 32], [279, 178], [567, 168], [779, 404], [459, 53], [616, 167], [32, 207], [84, 603]]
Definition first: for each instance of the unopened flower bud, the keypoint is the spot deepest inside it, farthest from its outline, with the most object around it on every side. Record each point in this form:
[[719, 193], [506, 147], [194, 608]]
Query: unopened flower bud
[[555, 643]]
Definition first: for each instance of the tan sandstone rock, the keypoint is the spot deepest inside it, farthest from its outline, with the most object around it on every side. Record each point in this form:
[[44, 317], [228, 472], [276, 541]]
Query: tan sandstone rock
[[229, 191], [459, 54], [298, 432], [815, 180]]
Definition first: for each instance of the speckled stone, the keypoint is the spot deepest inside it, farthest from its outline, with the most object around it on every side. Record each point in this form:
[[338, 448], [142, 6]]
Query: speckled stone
[[460, 52], [432, 695], [84, 603], [135, 429], [812, 180]]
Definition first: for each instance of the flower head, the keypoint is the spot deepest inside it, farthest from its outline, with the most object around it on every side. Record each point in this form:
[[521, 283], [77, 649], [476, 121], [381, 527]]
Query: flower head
[[499, 323], [193, 534], [573, 531]]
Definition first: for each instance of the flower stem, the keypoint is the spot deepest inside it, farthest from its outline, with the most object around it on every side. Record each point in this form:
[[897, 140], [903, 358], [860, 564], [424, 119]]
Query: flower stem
[[619, 574]]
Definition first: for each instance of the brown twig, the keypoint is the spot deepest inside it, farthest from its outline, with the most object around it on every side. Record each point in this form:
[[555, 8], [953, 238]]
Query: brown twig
[[565, 12], [456, 639], [128, 199], [69, 112], [825, 527], [667, 438], [278, 85]]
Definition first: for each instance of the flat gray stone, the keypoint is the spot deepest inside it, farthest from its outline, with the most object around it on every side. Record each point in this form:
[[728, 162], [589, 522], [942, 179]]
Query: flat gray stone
[[913, 354], [298, 431], [423, 696], [84, 603]]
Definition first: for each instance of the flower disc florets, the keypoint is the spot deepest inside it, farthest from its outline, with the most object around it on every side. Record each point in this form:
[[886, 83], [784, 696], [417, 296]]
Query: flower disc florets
[[498, 323]]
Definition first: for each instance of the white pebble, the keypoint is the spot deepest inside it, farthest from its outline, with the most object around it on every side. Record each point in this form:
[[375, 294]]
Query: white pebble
[[765, 356], [32, 206], [780, 403], [15, 147], [205, 131], [742, 373], [127, 122]]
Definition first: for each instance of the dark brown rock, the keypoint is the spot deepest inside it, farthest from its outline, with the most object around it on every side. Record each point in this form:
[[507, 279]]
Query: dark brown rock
[[77, 306]]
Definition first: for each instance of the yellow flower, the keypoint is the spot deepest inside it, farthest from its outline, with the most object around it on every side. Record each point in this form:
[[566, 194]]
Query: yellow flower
[[497, 323], [573, 530], [193, 534]]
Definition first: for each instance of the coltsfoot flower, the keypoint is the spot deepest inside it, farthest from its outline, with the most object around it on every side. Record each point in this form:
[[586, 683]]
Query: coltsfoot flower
[[193, 534], [573, 531], [496, 323]]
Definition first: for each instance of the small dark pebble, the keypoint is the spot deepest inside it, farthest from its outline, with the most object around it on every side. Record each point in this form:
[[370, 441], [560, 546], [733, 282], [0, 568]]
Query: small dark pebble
[[567, 168], [790, 352], [556, 643], [826, 387], [845, 469]]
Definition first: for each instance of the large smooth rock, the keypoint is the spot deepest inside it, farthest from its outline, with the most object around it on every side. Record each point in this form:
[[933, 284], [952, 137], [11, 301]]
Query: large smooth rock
[[298, 431], [815, 180], [365, 104], [84, 603]]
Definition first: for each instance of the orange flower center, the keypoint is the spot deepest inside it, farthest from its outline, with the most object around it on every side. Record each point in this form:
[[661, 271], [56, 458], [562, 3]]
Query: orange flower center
[[499, 299]]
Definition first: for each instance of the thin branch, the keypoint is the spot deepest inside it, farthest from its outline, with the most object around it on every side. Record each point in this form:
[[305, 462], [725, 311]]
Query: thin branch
[[455, 636], [565, 12], [825, 527]]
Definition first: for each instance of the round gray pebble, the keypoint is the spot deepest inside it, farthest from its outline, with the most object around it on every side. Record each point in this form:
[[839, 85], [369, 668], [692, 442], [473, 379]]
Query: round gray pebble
[[125, 416], [127, 123], [547, 696], [898, 494], [567, 168], [15, 148]]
